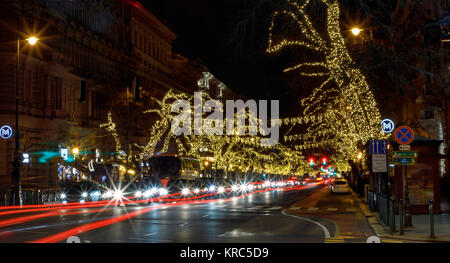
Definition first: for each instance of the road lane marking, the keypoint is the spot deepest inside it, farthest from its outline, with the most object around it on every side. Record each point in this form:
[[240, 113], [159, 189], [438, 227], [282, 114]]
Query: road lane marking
[[325, 230], [391, 241], [275, 208], [350, 210], [205, 215], [296, 208], [256, 207], [332, 209], [151, 239], [334, 240], [313, 209], [149, 234]]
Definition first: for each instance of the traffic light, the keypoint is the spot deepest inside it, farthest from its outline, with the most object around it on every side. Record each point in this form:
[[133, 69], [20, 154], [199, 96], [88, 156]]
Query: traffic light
[[311, 161], [324, 160]]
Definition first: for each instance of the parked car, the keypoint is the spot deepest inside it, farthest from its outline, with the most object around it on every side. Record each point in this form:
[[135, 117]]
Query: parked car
[[339, 186]]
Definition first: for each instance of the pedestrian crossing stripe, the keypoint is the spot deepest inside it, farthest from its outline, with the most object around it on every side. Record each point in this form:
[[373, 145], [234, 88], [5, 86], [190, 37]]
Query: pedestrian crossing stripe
[[275, 208], [332, 209]]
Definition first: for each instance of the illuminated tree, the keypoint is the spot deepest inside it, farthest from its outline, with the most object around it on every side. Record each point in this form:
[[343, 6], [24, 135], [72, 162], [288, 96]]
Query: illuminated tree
[[342, 110], [229, 151]]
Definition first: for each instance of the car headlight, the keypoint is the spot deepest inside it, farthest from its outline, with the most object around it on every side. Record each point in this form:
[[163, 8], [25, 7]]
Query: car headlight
[[153, 191], [63, 196], [138, 194], [185, 191], [243, 187], [163, 191], [108, 194], [197, 190], [147, 193], [212, 188], [221, 189], [234, 188], [118, 194], [84, 195]]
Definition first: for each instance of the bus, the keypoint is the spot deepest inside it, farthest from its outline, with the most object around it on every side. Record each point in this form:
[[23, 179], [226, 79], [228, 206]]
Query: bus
[[170, 167]]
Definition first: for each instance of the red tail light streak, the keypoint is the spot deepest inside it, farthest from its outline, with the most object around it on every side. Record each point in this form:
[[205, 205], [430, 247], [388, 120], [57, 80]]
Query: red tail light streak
[[102, 223]]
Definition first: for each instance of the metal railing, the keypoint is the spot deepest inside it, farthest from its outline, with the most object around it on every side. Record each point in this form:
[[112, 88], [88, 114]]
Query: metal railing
[[386, 210], [30, 197]]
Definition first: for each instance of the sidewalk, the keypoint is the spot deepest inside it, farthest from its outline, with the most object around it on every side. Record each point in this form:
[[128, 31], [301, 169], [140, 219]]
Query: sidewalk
[[420, 231]]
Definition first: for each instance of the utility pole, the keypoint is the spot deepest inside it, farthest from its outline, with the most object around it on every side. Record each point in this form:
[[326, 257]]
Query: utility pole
[[16, 184]]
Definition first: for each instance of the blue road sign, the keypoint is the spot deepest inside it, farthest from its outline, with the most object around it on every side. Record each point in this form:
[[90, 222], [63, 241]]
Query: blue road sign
[[6, 132], [378, 147]]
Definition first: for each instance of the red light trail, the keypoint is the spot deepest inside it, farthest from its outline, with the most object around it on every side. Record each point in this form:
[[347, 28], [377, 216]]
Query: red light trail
[[91, 226]]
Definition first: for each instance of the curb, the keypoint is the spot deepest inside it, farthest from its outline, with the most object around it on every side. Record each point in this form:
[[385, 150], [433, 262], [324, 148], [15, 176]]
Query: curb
[[379, 229]]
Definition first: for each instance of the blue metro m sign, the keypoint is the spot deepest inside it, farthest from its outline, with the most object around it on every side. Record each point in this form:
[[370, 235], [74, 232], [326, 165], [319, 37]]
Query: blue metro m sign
[[6, 132], [387, 126]]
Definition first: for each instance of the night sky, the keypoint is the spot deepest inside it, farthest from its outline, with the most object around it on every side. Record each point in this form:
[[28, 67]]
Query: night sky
[[230, 38]]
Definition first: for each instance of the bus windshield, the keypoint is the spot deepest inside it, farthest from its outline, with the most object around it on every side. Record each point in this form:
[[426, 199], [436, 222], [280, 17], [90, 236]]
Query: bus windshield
[[165, 167]]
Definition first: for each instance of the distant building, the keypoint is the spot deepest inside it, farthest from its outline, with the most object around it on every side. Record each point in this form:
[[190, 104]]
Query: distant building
[[92, 56]]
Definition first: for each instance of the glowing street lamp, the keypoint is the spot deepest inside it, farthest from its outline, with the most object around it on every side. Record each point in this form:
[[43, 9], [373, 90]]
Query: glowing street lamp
[[356, 31], [16, 162], [32, 40], [75, 151]]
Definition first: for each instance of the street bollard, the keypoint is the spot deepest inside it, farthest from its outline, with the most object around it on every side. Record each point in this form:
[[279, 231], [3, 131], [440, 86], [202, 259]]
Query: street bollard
[[401, 218], [430, 207]]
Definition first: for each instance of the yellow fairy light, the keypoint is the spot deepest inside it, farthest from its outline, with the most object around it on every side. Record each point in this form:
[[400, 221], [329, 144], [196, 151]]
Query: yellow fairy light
[[341, 127]]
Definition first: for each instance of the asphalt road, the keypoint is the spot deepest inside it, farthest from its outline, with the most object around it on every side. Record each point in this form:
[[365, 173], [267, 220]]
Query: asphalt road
[[267, 216]]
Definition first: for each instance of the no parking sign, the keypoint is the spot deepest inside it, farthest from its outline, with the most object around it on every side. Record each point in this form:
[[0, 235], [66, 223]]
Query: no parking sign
[[404, 135]]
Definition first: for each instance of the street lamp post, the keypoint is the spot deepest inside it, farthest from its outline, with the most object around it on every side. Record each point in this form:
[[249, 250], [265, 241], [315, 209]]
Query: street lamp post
[[16, 162]]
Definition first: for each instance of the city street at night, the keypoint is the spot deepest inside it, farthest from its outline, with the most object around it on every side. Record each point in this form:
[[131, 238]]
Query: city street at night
[[263, 216], [209, 130]]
